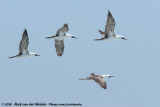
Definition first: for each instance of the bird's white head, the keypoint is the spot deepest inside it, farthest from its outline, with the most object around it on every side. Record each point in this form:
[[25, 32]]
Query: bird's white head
[[71, 36], [121, 37], [33, 54], [107, 76]]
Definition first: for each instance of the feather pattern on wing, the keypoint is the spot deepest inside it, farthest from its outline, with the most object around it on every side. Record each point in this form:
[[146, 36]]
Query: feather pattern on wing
[[59, 45], [109, 28], [101, 82], [23, 46]]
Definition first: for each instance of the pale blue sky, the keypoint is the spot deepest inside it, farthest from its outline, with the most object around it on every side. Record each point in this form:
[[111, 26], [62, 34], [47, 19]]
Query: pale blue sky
[[50, 78]]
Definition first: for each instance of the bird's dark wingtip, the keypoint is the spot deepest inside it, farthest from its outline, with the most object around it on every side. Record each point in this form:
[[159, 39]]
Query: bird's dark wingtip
[[95, 39], [11, 57], [65, 25], [99, 30], [48, 37], [109, 13], [25, 31]]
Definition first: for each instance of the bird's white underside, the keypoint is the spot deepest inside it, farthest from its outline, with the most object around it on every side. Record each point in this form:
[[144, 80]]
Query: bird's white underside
[[110, 38], [105, 76], [25, 55], [62, 37]]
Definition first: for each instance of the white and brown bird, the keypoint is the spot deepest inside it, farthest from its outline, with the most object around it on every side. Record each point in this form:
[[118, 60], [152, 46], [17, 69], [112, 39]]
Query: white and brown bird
[[98, 79], [59, 39], [23, 47], [109, 30]]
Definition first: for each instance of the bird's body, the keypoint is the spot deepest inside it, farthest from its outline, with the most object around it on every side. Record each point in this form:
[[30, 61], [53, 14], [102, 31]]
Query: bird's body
[[24, 55], [59, 39], [109, 35], [98, 79], [23, 47], [110, 38]]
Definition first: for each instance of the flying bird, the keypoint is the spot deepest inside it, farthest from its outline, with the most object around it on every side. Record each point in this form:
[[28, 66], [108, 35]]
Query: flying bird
[[109, 30], [23, 47], [59, 39], [98, 79]]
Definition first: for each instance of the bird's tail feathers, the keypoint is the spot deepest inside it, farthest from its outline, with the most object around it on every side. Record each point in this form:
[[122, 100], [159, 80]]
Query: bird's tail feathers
[[82, 79], [12, 57], [49, 37], [96, 39], [20, 53]]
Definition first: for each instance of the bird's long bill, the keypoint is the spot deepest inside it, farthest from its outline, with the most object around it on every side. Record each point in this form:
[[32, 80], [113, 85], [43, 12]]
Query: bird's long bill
[[74, 37], [111, 76], [37, 55], [124, 38]]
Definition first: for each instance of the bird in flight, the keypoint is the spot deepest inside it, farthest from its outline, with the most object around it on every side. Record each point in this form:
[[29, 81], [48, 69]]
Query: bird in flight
[[59, 39], [23, 47], [98, 79], [109, 30]]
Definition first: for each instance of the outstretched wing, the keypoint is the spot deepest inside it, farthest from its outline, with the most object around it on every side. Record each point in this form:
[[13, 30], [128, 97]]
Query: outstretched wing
[[59, 45], [109, 28], [101, 82], [23, 46]]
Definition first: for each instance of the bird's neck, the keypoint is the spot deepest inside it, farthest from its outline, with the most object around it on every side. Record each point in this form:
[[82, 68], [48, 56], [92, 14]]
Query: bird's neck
[[118, 36], [68, 35], [105, 76], [31, 54]]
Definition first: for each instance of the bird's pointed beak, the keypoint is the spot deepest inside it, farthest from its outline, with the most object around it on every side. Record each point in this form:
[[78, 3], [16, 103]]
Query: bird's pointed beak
[[37, 55], [111, 76], [74, 37], [124, 38]]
